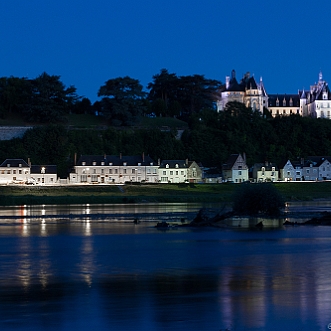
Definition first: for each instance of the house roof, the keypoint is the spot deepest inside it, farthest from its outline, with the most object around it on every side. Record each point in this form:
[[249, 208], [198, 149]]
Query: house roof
[[267, 165], [38, 169], [272, 101], [14, 163], [316, 161], [228, 165], [116, 160], [182, 164]]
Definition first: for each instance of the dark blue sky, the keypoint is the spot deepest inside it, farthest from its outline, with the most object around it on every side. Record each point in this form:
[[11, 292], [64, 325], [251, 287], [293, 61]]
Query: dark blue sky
[[88, 42]]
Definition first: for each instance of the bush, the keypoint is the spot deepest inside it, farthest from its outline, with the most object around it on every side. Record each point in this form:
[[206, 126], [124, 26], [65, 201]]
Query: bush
[[254, 199]]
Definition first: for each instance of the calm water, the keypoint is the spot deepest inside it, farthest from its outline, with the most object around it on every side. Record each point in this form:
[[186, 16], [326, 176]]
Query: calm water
[[97, 275]]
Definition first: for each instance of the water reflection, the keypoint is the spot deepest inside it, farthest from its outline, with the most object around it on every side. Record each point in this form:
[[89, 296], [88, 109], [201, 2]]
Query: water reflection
[[123, 276]]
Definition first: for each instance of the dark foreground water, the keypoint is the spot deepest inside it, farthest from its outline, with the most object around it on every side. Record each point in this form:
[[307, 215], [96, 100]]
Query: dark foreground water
[[94, 275]]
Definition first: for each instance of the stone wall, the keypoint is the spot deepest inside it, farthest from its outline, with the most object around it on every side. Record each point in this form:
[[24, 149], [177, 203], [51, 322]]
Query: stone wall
[[10, 132]]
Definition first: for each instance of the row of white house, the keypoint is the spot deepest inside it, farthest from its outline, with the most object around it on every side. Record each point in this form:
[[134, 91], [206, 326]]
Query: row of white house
[[312, 168], [106, 169], [112, 169], [18, 171]]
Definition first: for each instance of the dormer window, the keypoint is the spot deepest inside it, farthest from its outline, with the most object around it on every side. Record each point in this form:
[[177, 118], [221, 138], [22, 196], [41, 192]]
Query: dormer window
[[176, 165], [94, 163], [284, 103], [151, 163], [325, 95], [83, 163], [291, 102], [110, 163], [167, 165], [8, 165], [102, 163], [20, 165], [139, 164], [124, 163], [277, 103]]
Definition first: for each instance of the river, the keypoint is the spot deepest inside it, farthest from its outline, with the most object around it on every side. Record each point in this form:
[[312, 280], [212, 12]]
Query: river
[[91, 273]]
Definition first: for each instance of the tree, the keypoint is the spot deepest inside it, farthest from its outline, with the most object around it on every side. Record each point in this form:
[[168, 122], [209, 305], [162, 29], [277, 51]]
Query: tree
[[196, 93], [15, 94], [83, 106], [50, 100], [163, 92], [123, 100], [254, 199]]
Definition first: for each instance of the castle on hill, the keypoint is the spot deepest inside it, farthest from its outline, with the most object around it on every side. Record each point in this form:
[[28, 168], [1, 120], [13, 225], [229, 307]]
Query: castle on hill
[[315, 102]]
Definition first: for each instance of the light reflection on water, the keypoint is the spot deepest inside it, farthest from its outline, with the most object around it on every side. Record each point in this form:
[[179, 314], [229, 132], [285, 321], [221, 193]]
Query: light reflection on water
[[121, 276]]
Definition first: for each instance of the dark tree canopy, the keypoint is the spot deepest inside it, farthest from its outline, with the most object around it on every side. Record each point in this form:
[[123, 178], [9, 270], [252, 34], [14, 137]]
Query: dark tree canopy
[[174, 96], [50, 100], [122, 100], [44, 99], [15, 95]]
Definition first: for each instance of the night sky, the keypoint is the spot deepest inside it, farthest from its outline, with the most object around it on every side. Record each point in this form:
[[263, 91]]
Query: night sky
[[88, 42]]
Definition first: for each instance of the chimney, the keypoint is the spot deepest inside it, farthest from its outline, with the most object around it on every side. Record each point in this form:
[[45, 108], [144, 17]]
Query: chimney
[[29, 162], [186, 161], [143, 157], [158, 162], [227, 82], [75, 158], [120, 156]]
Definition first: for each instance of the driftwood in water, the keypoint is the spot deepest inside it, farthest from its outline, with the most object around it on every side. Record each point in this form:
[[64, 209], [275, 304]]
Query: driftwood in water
[[325, 219], [203, 218]]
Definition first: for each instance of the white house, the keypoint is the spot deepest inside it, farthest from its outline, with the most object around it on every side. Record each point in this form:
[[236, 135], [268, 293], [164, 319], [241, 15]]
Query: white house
[[291, 171], [264, 172], [44, 174], [179, 171], [14, 171], [114, 169], [324, 169], [235, 169]]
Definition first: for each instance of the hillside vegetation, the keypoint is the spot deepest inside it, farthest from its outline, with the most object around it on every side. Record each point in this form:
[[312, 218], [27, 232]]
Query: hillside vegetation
[[208, 138]]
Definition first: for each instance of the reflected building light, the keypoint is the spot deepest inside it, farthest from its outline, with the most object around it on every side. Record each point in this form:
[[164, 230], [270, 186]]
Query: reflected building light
[[24, 273], [87, 210], [44, 273], [25, 230], [225, 302], [43, 228], [88, 228], [88, 279], [87, 265], [43, 280]]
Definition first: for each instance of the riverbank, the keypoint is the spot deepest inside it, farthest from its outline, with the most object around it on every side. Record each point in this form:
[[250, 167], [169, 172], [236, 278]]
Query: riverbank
[[66, 194]]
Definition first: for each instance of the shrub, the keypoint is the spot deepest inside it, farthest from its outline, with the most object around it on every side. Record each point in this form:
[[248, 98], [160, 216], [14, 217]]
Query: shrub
[[254, 199]]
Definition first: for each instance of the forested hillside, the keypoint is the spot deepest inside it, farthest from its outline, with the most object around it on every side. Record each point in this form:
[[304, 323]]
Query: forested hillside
[[210, 138]]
